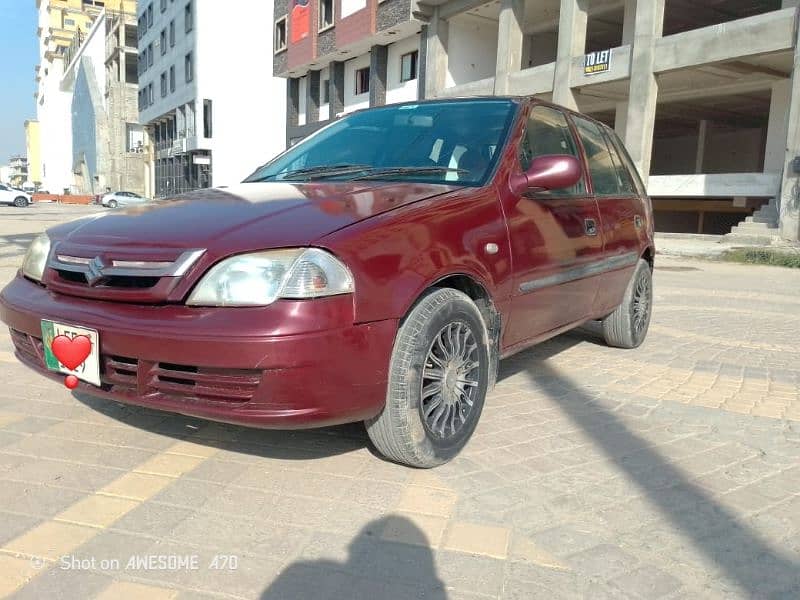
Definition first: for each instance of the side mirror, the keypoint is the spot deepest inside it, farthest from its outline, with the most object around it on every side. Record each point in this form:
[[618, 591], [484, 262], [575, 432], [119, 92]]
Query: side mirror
[[551, 172]]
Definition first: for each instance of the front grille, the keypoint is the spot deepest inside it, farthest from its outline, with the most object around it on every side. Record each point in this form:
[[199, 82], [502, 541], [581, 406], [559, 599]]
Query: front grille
[[116, 281], [121, 374]]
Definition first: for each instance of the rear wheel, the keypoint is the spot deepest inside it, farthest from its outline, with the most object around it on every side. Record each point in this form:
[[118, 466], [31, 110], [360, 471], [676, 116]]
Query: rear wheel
[[438, 378], [627, 326], [112, 204], [20, 202]]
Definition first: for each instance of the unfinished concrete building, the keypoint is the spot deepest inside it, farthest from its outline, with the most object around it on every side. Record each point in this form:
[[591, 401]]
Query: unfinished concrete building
[[705, 94]]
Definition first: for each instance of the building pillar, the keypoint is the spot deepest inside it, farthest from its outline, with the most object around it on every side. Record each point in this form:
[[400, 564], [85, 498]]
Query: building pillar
[[572, 25], [336, 106], [378, 66], [775, 152], [435, 55], [509, 43], [643, 95], [621, 119], [700, 155], [292, 106], [790, 183], [312, 97], [629, 22]]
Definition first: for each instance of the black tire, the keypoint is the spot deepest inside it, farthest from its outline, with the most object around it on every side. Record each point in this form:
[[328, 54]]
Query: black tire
[[627, 326], [112, 204], [20, 202], [402, 432]]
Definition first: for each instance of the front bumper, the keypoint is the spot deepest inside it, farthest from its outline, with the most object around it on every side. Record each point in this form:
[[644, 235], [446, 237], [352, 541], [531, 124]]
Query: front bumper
[[292, 364]]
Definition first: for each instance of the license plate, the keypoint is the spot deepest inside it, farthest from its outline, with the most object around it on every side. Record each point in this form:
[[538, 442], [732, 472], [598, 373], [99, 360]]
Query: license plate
[[89, 370]]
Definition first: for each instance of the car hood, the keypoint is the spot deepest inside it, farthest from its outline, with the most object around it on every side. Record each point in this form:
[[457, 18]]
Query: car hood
[[248, 216]]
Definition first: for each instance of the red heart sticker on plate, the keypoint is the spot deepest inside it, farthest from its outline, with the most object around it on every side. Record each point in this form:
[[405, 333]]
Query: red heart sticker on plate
[[71, 352]]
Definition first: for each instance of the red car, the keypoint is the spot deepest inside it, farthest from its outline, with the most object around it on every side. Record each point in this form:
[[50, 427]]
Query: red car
[[376, 271]]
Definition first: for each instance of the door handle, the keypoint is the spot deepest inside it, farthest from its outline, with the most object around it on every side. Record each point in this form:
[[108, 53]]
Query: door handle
[[590, 227]]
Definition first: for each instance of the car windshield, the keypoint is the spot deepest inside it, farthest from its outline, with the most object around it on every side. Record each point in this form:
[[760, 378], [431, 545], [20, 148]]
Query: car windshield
[[447, 142]]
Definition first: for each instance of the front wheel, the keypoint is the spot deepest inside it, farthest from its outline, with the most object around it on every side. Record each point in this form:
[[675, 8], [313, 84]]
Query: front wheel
[[112, 204], [438, 378], [627, 326], [20, 202]]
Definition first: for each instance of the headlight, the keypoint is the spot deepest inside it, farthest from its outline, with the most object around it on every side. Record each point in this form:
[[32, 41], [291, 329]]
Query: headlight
[[260, 278], [36, 258]]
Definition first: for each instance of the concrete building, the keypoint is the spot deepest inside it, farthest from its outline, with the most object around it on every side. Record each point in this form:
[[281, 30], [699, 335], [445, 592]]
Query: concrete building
[[60, 21], [211, 115], [5, 174], [706, 95], [18, 171], [107, 140], [33, 150]]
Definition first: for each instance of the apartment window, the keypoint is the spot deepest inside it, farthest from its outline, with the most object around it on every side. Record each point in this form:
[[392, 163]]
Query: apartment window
[[164, 84], [141, 26], [171, 34], [163, 42], [207, 129], [150, 55], [280, 34], [325, 14], [149, 93], [69, 21], [172, 78], [187, 17], [163, 5], [150, 15], [325, 92], [408, 66], [362, 81], [188, 67]]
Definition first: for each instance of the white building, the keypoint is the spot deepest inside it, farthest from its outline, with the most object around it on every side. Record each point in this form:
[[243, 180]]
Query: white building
[[213, 115]]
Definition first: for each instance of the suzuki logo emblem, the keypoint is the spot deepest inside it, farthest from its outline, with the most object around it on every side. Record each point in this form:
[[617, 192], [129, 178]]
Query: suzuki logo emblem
[[95, 273]]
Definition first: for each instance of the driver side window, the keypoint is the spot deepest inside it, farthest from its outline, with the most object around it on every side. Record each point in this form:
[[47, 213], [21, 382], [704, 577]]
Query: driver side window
[[548, 133]]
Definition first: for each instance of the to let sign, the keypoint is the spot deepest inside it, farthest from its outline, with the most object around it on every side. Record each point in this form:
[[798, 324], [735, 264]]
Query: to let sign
[[597, 62]]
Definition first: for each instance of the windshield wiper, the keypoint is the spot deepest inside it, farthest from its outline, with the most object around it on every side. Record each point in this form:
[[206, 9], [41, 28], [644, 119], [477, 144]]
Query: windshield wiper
[[376, 173], [326, 170]]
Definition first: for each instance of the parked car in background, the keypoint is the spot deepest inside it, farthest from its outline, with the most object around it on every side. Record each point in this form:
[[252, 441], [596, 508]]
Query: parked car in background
[[352, 279], [14, 196], [115, 199]]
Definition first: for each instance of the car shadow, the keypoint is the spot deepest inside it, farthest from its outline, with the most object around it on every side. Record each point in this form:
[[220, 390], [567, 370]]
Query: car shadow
[[737, 550], [374, 568], [299, 444]]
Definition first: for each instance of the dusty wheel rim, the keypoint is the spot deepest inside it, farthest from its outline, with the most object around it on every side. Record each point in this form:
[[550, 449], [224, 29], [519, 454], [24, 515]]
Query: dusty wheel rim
[[450, 380], [112, 204], [20, 202], [642, 302]]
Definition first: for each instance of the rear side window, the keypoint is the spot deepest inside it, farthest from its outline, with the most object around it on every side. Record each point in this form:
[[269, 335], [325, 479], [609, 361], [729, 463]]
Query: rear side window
[[549, 133], [609, 177], [627, 162]]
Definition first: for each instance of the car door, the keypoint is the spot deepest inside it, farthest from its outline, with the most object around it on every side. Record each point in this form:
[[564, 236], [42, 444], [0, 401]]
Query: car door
[[555, 238], [622, 209], [5, 194]]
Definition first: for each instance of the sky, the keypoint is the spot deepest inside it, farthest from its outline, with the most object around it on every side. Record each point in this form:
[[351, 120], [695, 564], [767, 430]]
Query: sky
[[18, 49]]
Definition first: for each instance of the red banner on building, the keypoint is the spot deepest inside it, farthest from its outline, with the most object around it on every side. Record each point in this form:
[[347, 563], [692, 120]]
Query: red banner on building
[[299, 20]]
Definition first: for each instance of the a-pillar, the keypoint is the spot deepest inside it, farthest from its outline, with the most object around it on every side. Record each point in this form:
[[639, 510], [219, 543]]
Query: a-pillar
[[435, 55], [509, 43], [648, 27], [572, 23], [790, 183]]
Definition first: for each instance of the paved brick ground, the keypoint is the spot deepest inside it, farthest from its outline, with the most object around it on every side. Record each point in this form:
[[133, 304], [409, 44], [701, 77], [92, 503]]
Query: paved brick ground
[[672, 471]]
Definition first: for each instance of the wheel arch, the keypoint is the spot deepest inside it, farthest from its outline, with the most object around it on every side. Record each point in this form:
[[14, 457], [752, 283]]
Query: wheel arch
[[480, 295]]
